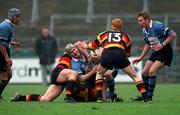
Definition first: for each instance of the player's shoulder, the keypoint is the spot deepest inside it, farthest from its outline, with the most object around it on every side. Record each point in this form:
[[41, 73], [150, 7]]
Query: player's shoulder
[[102, 33], [5, 25], [157, 24]]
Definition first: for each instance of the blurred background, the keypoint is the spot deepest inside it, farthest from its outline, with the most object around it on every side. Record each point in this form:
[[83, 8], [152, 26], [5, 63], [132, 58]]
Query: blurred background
[[72, 20]]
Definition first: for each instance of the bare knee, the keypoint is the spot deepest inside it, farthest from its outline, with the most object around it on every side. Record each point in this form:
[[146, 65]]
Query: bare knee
[[73, 75], [152, 72], [144, 73]]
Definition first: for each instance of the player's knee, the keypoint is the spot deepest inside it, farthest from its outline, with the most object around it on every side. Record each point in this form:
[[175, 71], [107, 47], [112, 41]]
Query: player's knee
[[73, 75], [144, 73], [152, 72]]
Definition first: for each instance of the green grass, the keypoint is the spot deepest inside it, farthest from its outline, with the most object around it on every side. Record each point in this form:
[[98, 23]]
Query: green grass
[[165, 102]]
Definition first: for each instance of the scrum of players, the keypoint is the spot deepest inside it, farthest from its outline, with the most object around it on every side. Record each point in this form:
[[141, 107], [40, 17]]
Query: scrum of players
[[87, 70]]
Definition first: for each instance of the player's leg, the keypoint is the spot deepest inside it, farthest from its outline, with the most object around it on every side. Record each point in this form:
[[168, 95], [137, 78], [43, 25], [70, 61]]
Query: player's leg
[[109, 81], [70, 77], [99, 82], [145, 73], [139, 83], [152, 77], [52, 93], [5, 73], [145, 78]]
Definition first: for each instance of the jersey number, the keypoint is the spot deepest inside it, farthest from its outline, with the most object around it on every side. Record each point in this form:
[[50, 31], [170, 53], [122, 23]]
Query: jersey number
[[114, 37]]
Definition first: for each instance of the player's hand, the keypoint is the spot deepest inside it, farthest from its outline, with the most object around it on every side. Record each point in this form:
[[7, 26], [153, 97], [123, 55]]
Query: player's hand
[[137, 60], [156, 47], [94, 69], [81, 44], [17, 44]]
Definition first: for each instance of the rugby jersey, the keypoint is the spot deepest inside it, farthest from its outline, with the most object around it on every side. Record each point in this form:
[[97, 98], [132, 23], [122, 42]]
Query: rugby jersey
[[110, 39], [64, 62]]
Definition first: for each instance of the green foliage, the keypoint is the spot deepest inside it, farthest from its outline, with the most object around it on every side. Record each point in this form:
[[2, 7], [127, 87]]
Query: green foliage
[[165, 102]]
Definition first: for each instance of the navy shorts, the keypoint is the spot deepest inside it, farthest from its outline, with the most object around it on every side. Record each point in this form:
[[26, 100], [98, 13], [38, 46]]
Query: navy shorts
[[114, 58], [165, 55]]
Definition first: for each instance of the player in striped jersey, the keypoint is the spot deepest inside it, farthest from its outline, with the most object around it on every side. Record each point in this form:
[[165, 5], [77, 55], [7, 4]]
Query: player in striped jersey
[[62, 76], [83, 89], [116, 48], [59, 77]]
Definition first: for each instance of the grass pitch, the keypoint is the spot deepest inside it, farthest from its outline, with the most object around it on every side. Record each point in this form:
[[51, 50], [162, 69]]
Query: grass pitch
[[165, 102]]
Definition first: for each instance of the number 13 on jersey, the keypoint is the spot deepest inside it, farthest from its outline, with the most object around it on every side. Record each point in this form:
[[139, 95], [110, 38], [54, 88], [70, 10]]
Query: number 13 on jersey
[[114, 37]]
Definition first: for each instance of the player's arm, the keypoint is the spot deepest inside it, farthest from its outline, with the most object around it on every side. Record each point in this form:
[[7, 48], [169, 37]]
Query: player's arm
[[144, 52], [18, 44], [169, 39], [82, 47], [88, 75]]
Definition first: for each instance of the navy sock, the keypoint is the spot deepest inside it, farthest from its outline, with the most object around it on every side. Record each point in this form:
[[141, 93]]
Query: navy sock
[[146, 81], [111, 85], [152, 84]]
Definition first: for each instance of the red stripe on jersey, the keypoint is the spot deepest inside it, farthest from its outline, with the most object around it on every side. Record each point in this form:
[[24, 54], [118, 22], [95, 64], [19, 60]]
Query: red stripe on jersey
[[113, 44], [64, 60], [102, 37], [125, 38], [93, 45]]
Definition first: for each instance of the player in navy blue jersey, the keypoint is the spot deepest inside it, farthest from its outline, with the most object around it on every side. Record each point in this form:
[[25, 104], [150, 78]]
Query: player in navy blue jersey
[[6, 36], [159, 39]]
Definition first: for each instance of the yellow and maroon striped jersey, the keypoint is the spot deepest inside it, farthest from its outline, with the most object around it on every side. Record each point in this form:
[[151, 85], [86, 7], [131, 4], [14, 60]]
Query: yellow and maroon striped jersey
[[109, 39], [64, 61]]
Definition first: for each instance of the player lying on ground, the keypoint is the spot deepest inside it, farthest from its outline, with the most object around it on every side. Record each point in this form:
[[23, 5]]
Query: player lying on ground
[[82, 89], [61, 75]]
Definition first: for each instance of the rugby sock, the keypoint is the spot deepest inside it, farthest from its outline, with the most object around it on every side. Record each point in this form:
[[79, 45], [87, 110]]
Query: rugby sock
[[32, 97], [99, 87], [69, 87], [152, 84], [141, 88], [111, 85], [3, 84], [146, 82]]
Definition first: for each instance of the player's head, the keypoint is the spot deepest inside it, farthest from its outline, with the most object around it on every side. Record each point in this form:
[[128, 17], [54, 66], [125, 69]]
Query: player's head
[[143, 19], [14, 15], [72, 50], [143, 14], [117, 24]]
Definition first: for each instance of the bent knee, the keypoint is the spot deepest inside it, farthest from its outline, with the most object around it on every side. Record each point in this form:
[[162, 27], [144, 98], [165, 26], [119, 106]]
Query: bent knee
[[144, 73], [152, 72]]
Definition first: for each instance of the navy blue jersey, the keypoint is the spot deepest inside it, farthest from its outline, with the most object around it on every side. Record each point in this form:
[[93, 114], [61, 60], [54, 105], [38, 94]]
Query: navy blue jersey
[[6, 32], [157, 33]]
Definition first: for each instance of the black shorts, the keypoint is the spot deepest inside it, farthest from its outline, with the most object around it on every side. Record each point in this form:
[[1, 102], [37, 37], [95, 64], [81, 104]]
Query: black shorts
[[165, 55], [54, 76], [3, 63], [114, 58]]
